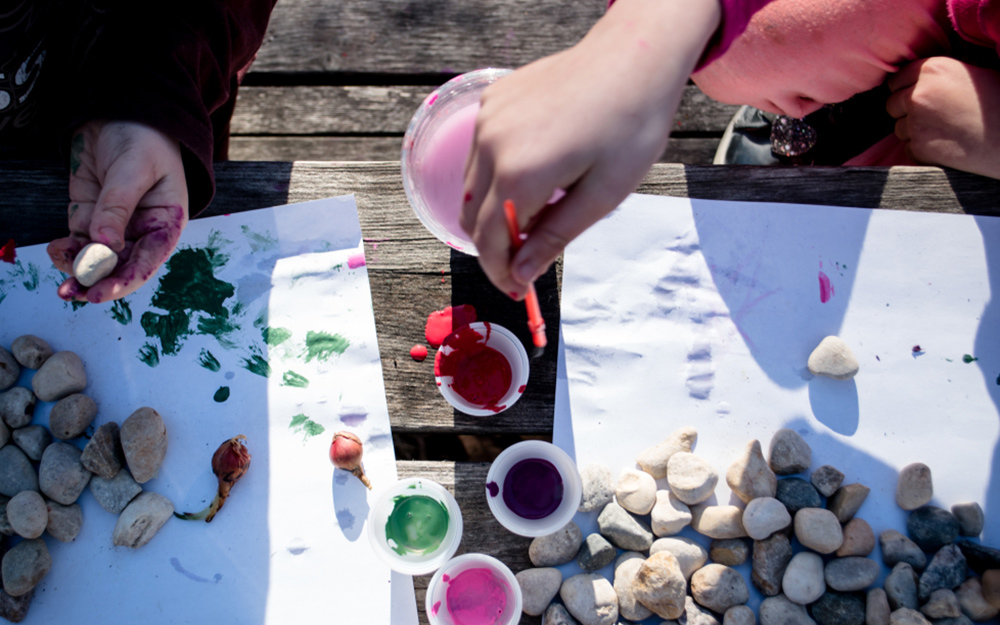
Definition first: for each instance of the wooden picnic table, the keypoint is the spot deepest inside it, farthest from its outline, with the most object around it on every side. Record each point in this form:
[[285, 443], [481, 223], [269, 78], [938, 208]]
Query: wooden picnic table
[[412, 274]]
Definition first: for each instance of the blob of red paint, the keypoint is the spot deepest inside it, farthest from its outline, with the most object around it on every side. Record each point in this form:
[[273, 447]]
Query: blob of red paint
[[418, 353], [825, 288], [441, 323], [480, 374], [7, 253]]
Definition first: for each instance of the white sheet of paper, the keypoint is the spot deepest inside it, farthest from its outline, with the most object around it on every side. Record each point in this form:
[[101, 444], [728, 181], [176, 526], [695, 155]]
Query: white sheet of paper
[[284, 289], [688, 312]]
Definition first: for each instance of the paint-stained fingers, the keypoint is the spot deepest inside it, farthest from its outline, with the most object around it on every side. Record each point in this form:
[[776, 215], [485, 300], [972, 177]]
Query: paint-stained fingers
[[71, 290], [170, 219], [125, 183], [63, 252], [147, 254]]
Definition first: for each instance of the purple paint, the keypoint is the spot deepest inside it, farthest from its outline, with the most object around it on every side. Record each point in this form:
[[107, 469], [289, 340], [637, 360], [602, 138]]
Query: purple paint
[[825, 288], [533, 488], [493, 488], [476, 597]]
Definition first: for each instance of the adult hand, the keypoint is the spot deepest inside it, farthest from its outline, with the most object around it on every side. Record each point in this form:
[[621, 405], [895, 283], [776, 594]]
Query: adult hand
[[948, 113], [128, 191], [590, 120]]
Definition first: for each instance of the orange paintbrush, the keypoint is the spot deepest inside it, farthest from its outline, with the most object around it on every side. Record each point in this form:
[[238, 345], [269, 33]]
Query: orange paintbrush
[[536, 324]]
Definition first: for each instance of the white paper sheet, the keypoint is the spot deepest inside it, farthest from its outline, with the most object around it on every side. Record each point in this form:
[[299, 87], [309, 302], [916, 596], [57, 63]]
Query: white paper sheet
[[289, 545], [687, 312]]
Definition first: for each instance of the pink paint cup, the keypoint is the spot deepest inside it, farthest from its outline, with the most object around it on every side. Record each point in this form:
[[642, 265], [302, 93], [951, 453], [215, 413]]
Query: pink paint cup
[[473, 589], [435, 148]]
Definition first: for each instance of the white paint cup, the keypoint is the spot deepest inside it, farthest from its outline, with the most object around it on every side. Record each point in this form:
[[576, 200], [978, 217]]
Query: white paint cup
[[572, 488], [502, 340], [436, 603]]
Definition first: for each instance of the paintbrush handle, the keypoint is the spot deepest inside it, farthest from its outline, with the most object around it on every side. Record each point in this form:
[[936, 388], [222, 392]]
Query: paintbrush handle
[[536, 323]]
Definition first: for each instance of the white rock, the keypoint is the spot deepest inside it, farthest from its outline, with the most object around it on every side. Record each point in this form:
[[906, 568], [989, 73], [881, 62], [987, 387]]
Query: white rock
[[691, 478], [598, 487], [669, 515], [636, 491], [660, 585], [803, 581], [719, 588], [764, 516], [750, 476], [718, 521], [626, 568], [141, 520], [94, 262], [818, 529], [690, 555], [833, 359], [538, 587], [591, 599], [915, 487], [654, 459]]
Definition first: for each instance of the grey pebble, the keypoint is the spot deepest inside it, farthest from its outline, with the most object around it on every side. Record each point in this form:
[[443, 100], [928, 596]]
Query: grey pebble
[[27, 514], [932, 528], [10, 371], [942, 604], [30, 351], [24, 566], [556, 548], [719, 587], [32, 439], [946, 570], [590, 598], [850, 573], [115, 493], [103, 453], [694, 614], [65, 522], [538, 587], [595, 553], [729, 551], [71, 416], [739, 615], [827, 479], [624, 530], [61, 375], [797, 493], [779, 610], [877, 607], [901, 587], [915, 486], [598, 487], [17, 407], [5, 527], [788, 453], [61, 476], [144, 442], [846, 502], [839, 608], [980, 557], [970, 518], [898, 548], [141, 520], [16, 472], [907, 616], [556, 614], [770, 558]]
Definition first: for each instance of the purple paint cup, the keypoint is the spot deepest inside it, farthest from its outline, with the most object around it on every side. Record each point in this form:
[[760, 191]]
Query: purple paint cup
[[473, 588]]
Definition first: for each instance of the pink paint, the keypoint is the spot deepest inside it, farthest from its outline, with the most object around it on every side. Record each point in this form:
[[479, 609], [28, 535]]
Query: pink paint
[[440, 168], [825, 288], [445, 578], [521, 388], [476, 597], [434, 610], [441, 323], [418, 353], [355, 261]]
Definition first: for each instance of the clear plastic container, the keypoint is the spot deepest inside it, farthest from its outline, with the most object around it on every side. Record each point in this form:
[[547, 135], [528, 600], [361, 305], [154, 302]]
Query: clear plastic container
[[502, 340], [435, 148], [437, 605], [572, 488], [383, 545]]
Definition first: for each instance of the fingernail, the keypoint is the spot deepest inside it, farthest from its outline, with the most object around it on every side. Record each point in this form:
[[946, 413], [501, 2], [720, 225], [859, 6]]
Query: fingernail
[[110, 238], [525, 271], [468, 197], [514, 295]]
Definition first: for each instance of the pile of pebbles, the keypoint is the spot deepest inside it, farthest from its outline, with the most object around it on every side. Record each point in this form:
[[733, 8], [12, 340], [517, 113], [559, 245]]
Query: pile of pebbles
[[43, 471], [809, 553]]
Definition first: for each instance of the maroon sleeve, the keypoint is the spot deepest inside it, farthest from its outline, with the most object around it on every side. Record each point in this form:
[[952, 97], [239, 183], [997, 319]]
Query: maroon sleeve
[[174, 69], [977, 21]]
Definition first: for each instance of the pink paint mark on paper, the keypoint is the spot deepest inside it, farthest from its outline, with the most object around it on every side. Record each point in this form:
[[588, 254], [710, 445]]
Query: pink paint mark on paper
[[358, 260], [825, 288]]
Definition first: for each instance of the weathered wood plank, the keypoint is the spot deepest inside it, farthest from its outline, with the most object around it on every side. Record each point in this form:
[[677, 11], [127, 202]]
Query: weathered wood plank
[[419, 36]]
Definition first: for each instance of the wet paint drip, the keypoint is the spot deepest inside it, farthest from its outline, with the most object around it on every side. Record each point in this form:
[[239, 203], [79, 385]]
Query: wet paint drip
[[355, 261], [222, 394], [968, 358], [417, 524], [476, 597], [480, 374], [493, 488], [442, 323], [825, 288], [533, 488], [418, 353], [521, 388]]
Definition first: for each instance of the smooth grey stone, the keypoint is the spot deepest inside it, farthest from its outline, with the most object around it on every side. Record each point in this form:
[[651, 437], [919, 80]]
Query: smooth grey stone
[[846, 502], [556, 614], [144, 442], [115, 493], [556, 548], [797, 494], [729, 551], [719, 587], [980, 557], [788, 453], [5, 527], [626, 569], [826, 479], [898, 548], [30, 351], [877, 607], [764, 516], [596, 553], [932, 528], [15, 609], [901, 587], [803, 581], [973, 603], [141, 520], [71, 416], [780, 611], [839, 608], [694, 614], [946, 570], [17, 407], [770, 558], [915, 486], [16, 472], [24, 566], [10, 371], [970, 518], [590, 599], [27, 514], [942, 604], [850, 573], [61, 375], [859, 539], [64, 521], [538, 587], [739, 615], [598, 487], [819, 530], [32, 439], [624, 530], [61, 476], [907, 616], [103, 453]]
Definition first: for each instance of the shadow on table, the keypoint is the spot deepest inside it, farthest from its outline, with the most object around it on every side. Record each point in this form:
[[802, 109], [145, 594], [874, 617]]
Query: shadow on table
[[247, 185]]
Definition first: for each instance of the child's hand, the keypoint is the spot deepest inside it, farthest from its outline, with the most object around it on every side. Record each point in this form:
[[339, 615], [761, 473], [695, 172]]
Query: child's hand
[[128, 191], [590, 120], [948, 113]]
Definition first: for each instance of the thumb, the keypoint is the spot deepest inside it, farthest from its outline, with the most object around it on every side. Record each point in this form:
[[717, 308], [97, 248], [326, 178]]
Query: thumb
[[126, 182]]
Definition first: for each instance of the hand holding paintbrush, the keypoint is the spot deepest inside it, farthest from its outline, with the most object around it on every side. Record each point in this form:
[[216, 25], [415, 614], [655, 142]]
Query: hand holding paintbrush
[[536, 324]]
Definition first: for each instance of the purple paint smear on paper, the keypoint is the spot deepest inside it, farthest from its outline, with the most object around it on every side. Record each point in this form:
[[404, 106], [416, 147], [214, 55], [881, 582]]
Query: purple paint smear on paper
[[825, 288], [188, 574]]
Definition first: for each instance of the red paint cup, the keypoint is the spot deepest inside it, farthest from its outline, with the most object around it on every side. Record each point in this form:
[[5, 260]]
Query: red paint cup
[[478, 335]]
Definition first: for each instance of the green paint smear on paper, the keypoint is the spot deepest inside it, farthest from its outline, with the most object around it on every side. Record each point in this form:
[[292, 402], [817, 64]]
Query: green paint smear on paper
[[221, 328], [121, 312], [305, 425], [149, 355], [259, 242], [207, 360], [256, 363], [275, 336], [222, 394], [77, 305], [417, 524], [321, 346], [261, 320], [968, 358], [171, 329], [27, 274], [290, 378]]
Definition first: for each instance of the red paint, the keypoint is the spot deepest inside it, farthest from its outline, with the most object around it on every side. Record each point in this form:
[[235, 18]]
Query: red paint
[[480, 374], [442, 323], [468, 196], [825, 288], [521, 388], [418, 353], [7, 253]]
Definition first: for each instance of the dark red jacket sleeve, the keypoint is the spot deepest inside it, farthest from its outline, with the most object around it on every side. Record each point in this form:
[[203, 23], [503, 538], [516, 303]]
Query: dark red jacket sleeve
[[174, 69]]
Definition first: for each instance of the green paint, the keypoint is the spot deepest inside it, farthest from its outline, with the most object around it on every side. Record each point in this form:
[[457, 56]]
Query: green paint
[[321, 346], [149, 355], [259, 242], [256, 363], [222, 394], [221, 328], [308, 427], [75, 149], [275, 336], [121, 312], [290, 378], [27, 274], [77, 305], [207, 360], [968, 358], [417, 524], [261, 320], [171, 329], [73, 208]]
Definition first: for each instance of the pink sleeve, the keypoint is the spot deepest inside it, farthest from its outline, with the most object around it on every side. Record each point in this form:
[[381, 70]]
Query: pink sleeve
[[977, 21]]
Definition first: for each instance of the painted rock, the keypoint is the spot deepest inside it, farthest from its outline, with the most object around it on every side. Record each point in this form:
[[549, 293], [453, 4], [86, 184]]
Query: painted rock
[[144, 442], [834, 359], [71, 416], [30, 351], [24, 566], [93, 263], [64, 521], [141, 520], [61, 476], [61, 375], [17, 407]]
